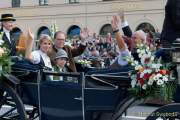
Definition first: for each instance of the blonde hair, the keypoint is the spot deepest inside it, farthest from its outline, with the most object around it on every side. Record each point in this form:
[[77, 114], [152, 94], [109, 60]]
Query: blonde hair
[[44, 37]]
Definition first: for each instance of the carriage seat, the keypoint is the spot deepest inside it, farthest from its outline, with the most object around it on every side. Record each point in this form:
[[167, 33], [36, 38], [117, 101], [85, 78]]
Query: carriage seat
[[25, 70]]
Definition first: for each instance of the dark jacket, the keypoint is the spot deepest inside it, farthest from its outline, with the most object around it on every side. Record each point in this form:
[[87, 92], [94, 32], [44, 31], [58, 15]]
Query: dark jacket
[[127, 31], [171, 26], [72, 52], [11, 45]]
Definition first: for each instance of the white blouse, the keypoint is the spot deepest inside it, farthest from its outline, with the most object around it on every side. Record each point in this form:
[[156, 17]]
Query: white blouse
[[36, 58]]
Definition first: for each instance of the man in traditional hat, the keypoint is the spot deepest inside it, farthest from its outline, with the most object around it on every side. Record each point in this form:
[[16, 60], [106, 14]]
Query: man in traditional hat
[[7, 21]]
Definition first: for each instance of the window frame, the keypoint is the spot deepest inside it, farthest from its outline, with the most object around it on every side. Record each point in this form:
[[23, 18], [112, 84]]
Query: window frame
[[15, 3]]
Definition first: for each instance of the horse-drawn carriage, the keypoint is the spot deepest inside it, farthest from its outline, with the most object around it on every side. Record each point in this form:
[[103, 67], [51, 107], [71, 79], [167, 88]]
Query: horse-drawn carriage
[[29, 93]]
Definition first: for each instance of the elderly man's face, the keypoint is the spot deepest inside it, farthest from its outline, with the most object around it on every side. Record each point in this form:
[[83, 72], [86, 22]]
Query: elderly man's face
[[136, 38], [60, 40], [8, 25]]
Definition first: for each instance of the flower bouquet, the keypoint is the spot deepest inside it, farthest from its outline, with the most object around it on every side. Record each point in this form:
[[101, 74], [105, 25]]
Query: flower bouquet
[[84, 62], [150, 78], [5, 60]]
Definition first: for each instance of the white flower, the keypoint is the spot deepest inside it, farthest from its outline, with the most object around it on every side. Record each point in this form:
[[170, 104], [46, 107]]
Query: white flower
[[1, 42], [155, 78], [132, 64], [143, 58], [141, 45], [138, 51], [160, 82], [147, 48], [143, 51], [133, 83], [159, 75], [149, 71], [157, 70], [152, 58], [136, 62], [165, 78], [150, 82], [144, 86], [149, 54], [140, 55]]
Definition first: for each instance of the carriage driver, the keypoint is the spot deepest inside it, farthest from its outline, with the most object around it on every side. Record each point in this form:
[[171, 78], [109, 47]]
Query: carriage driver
[[7, 24]]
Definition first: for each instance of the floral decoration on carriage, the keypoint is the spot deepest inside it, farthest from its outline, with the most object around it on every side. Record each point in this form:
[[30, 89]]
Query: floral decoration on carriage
[[5, 59], [150, 76], [84, 62]]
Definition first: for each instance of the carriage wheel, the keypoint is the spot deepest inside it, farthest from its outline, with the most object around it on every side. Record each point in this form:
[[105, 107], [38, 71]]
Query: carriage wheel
[[167, 112], [11, 106]]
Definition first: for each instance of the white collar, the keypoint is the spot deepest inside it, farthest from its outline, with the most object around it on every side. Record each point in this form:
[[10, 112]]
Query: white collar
[[42, 53], [5, 30]]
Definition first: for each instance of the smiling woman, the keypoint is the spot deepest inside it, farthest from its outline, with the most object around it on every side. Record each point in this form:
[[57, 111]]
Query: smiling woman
[[39, 56]]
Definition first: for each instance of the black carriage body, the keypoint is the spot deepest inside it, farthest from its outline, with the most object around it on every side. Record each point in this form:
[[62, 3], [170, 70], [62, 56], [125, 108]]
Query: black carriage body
[[62, 100]]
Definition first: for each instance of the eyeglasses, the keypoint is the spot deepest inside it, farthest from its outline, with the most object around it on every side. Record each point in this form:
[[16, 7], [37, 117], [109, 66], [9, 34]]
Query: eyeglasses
[[60, 39], [63, 58]]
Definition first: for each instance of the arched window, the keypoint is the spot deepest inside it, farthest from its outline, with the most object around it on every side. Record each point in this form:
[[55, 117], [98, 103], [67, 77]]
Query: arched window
[[43, 30], [106, 29], [16, 31], [73, 31], [146, 27]]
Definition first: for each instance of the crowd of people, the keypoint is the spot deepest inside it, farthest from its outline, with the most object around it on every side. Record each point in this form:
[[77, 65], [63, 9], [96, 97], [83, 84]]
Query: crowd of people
[[96, 47], [58, 56]]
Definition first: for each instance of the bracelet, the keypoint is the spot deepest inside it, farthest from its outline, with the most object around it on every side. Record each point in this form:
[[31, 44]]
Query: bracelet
[[115, 31]]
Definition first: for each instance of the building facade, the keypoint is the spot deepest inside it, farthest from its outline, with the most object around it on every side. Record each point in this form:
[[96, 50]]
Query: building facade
[[71, 15]]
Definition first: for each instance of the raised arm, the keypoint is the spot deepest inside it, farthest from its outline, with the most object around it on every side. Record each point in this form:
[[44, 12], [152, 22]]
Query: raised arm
[[120, 41], [124, 24], [29, 46], [84, 35]]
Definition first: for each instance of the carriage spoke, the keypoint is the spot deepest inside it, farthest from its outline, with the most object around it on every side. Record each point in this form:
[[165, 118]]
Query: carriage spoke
[[11, 107], [3, 100]]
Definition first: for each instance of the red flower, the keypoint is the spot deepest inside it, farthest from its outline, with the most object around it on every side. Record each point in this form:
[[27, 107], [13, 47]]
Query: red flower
[[141, 81], [147, 76], [147, 60], [164, 72]]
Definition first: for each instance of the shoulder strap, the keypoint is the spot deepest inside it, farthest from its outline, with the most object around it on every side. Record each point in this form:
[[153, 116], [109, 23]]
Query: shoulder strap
[[41, 61]]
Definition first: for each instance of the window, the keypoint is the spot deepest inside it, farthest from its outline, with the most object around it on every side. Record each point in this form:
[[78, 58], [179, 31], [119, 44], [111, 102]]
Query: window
[[146, 27], [42, 30], [108, 0], [106, 29], [16, 3], [16, 33], [74, 31], [43, 2], [73, 1]]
